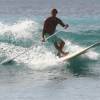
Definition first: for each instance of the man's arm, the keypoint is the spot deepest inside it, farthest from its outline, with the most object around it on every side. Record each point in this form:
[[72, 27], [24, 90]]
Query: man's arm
[[62, 24]]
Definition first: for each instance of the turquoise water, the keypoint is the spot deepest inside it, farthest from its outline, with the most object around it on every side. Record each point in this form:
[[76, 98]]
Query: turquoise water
[[36, 75]]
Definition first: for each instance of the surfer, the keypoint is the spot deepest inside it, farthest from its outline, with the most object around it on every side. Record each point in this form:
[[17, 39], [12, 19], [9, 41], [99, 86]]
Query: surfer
[[49, 29]]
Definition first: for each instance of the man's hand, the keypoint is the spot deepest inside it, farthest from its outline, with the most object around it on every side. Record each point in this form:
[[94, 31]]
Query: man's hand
[[66, 26]]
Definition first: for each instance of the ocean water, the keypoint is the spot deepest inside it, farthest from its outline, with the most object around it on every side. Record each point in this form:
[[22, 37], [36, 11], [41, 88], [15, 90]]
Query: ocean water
[[36, 74]]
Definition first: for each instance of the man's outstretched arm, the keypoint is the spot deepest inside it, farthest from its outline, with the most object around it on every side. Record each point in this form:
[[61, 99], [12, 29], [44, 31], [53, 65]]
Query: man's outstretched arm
[[62, 24]]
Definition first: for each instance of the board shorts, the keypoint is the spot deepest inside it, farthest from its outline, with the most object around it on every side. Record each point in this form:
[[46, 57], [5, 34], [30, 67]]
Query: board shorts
[[54, 39]]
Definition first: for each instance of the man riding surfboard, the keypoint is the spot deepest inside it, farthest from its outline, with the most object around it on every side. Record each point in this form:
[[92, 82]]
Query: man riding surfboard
[[49, 29]]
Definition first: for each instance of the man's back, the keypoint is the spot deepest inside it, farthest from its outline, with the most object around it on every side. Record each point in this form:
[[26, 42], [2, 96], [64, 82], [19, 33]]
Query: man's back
[[51, 23]]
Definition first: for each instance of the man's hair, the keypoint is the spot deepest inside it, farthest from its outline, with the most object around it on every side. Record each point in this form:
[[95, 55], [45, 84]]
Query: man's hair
[[54, 11]]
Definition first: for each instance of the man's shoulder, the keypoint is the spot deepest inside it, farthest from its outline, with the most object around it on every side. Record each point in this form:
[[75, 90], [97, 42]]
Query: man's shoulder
[[48, 18], [58, 18], [52, 18]]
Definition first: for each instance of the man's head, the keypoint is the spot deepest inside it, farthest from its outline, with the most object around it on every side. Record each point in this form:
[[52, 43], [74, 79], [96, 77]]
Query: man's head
[[54, 12]]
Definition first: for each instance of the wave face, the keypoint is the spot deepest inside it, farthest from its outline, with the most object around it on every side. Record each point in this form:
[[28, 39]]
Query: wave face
[[21, 35]]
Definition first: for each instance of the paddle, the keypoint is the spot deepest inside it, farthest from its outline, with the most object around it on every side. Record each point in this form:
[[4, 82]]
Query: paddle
[[51, 36], [9, 60]]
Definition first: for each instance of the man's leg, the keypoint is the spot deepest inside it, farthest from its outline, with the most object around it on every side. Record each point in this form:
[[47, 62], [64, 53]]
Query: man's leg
[[60, 47], [62, 43]]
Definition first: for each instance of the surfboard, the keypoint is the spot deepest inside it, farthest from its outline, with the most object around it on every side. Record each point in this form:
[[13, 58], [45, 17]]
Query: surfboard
[[78, 53], [67, 57]]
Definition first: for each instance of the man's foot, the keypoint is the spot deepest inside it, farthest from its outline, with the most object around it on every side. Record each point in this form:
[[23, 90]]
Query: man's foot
[[62, 54], [65, 53]]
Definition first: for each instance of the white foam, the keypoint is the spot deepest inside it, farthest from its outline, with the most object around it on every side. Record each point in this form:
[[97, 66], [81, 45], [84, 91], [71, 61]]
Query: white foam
[[40, 57], [93, 55], [20, 29], [74, 47], [37, 58]]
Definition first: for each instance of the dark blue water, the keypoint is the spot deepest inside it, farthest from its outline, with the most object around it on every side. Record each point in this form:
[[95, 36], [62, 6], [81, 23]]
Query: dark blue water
[[36, 75]]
